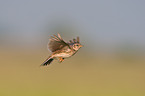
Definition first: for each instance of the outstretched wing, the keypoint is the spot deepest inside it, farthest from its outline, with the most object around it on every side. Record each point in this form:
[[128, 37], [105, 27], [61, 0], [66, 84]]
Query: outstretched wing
[[77, 40], [56, 43]]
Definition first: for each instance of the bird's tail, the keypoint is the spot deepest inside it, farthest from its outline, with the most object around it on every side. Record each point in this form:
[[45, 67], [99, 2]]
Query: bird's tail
[[47, 61]]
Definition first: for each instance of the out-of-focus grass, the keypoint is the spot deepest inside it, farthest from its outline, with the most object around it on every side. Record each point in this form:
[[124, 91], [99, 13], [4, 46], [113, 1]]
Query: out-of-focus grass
[[80, 75]]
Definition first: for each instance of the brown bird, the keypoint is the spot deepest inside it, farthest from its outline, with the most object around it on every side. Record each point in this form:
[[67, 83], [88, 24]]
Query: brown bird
[[61, 49]]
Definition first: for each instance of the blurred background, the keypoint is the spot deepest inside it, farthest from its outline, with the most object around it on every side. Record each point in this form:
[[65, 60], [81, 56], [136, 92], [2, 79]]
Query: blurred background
[[111, 63]]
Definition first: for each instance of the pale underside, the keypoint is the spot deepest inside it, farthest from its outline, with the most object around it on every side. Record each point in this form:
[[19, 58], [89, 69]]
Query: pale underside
[[68, 52]]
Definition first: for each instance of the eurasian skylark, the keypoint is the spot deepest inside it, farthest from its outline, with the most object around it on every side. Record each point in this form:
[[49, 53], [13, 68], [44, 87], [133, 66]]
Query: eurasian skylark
[[61, 49]]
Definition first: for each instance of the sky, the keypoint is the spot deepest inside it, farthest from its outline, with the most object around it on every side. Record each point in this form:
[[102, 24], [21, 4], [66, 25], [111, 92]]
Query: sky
[[106, 22]]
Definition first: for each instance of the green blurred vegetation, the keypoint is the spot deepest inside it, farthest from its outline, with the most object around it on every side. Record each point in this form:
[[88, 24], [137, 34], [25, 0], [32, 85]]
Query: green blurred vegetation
[[81, 75]]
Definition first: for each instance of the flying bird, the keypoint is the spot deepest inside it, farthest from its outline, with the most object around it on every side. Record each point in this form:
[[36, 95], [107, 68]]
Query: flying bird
[[61, 49]]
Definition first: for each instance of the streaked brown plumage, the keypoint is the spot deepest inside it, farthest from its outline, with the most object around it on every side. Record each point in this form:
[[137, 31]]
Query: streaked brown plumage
[[60, 49]]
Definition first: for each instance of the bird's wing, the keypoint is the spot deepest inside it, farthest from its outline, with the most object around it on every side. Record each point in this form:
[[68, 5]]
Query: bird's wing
[[56, 43], [71, 42]]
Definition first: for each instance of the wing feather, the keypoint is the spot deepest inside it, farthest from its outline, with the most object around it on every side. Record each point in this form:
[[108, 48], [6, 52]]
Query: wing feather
[[56, 43]]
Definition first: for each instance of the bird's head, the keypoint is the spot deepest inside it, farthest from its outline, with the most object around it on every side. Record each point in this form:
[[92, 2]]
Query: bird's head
[[77, 46]]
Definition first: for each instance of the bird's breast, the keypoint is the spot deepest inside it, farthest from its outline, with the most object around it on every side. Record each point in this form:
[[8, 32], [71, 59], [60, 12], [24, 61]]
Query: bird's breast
[[64, 55]]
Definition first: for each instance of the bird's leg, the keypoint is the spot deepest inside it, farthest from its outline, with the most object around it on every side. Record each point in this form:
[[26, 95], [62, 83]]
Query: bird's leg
[[60, 59]]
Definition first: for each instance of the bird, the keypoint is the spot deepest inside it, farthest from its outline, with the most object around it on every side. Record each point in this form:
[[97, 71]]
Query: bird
[[60, 49]]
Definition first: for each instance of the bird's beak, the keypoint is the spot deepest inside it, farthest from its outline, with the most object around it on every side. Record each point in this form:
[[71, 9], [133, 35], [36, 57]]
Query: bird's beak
[[81, 46]]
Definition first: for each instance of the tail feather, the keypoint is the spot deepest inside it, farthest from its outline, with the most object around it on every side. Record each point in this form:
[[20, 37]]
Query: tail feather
[[47, 62]]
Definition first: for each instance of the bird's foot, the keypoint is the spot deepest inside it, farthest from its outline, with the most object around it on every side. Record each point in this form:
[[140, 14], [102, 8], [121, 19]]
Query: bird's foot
[[61, 59]]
